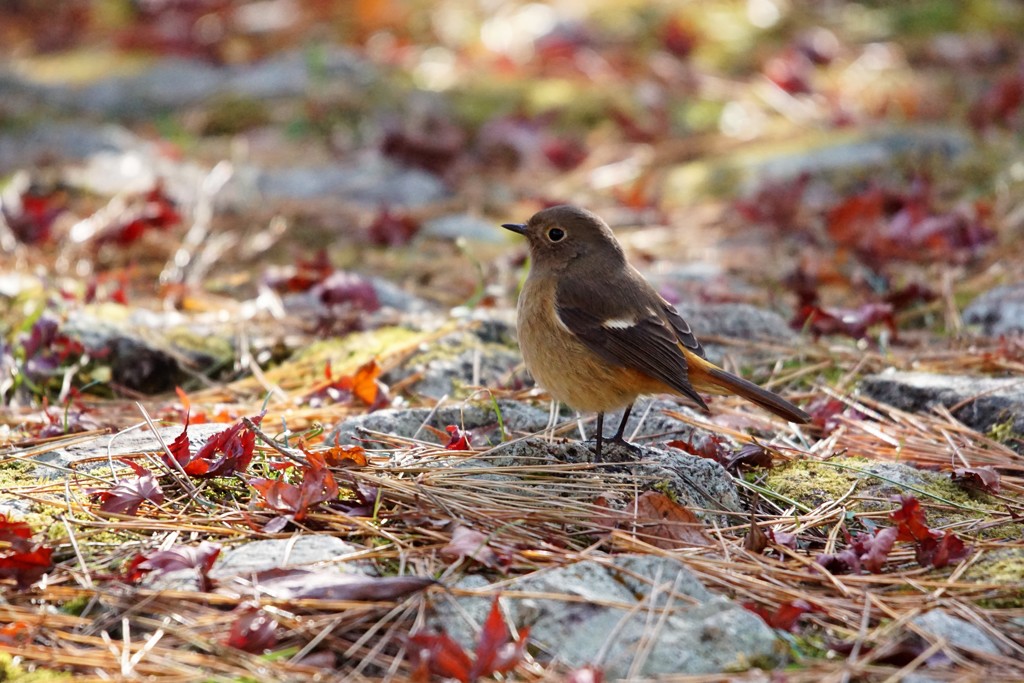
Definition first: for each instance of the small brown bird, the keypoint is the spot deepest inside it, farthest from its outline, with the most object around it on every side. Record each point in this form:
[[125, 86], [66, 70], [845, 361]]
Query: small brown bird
[[596, 334]]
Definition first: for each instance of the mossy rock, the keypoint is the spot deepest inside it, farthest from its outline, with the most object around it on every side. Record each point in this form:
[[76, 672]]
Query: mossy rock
[[876, 486]]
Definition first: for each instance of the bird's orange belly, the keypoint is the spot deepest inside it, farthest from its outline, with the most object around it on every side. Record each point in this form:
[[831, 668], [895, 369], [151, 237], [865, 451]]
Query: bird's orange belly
[[566, 368]]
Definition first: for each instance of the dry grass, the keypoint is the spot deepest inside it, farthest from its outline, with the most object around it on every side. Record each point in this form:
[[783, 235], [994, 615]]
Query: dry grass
[[82, 620]]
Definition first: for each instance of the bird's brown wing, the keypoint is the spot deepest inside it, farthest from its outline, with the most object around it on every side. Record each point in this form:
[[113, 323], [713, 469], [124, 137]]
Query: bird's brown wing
[[623, 320], [682, 329]]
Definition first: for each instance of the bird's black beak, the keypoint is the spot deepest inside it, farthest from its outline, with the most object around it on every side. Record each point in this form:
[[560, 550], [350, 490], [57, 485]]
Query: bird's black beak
[[515, 227]]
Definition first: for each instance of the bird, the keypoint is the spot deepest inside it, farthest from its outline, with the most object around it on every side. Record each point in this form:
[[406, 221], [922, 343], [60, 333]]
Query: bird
[[596, 334]]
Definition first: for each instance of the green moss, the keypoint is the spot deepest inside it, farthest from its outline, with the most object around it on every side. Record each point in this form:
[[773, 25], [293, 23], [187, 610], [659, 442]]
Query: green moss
[[186, 339], [76, 606], [1003, 432], [20, 474], [1004, 567], [665, 488], [232, 114], [356, 349], [9, 671], [875, 484]]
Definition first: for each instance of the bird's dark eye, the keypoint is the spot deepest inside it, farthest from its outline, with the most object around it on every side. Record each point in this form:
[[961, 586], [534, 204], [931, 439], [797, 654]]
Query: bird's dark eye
[[556, 234]]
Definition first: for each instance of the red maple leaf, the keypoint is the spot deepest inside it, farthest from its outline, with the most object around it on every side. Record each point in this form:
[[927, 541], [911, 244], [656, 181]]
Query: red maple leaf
[[458, 440], [253, 630], [317, 486], [939, 552], [910, 520], [496, 652], [199, 557], [785, 616], [127, 496], [364, 386], [222, 455], [21, 558]]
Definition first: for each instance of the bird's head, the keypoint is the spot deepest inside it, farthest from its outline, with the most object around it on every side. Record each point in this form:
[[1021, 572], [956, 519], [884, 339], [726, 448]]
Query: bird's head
[[568, 236]]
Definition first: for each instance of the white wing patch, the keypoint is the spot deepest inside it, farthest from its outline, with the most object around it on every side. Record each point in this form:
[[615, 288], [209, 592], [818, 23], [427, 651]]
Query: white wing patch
[[619, 323]]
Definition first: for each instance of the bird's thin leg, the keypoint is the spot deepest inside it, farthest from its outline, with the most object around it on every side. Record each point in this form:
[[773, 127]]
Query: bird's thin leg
[[598, 438], [617, 438]]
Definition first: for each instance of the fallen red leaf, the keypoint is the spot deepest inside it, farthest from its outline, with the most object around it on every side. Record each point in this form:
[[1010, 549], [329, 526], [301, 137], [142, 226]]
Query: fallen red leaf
[[253, 630], [199, 557], [666, 524], [846, 561], [15, 633], [458, 440], [466, 542], [21, 558], [223, 454], [939, 552], [750, 455], [756, 539], [782, 538], [776, 203], [304, 275], [710, 446], [317, 486], [910, 520], [679, 37], [364, 386], [791, 71], [979, 478], [439, 655], [32, 221], [874, 550], [390, 229], [127, 496], [881, 225], [432, 143], [1000, 104], [344, 456], [785, 616], [495, 652], [152, 210]]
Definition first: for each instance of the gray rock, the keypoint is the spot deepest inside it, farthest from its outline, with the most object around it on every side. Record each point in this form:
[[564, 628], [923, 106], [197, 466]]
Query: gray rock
[[53, 464], [481, 418], [998, 311], [956, 631], [178, 580], [464, 225], [455, 362], [987, 401], [634, 616], [693, 481], [171, 83], [373, 181], [114, 160], [144, 353], [647, 422], [844, 152], [307, 549], [62, 141], [391, 295]]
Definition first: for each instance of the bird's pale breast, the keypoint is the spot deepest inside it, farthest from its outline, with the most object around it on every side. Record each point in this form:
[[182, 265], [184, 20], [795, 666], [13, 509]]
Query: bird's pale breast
[[560, 363]]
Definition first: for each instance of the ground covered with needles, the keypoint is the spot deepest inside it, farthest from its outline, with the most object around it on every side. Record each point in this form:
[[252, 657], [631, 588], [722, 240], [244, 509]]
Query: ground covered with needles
[[264, 417]]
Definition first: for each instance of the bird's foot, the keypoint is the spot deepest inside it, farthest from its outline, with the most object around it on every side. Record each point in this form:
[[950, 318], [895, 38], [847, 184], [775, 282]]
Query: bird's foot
[[601, 446]]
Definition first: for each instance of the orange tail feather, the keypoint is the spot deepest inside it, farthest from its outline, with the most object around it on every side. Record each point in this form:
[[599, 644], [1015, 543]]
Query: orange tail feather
[[708, 377]]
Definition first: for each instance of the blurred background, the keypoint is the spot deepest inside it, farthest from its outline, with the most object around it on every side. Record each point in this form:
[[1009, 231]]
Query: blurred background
[[219, 156]]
